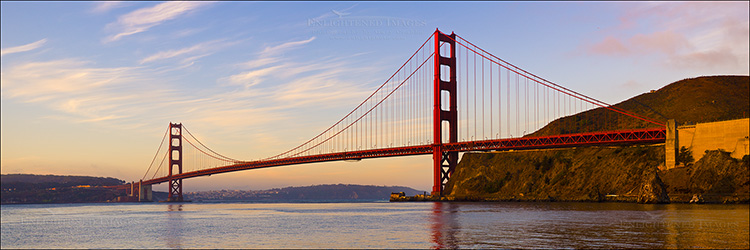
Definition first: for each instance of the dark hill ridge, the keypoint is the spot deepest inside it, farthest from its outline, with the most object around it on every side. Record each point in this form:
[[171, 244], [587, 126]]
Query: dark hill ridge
[[593, 173], [316, 192], [29, 188], [694, 100], [342, 191], [48, 181]]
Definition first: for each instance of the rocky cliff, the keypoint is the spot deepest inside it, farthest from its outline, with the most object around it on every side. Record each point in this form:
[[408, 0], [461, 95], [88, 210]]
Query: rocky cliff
[[577, 174], [715, 178], [628, 174]]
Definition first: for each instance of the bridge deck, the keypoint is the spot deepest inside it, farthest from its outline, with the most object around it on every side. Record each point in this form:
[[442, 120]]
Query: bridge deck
[[641, 136]]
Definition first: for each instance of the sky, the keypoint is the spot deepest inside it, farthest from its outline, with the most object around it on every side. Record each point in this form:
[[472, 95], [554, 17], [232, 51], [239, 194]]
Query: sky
[[88, 88]]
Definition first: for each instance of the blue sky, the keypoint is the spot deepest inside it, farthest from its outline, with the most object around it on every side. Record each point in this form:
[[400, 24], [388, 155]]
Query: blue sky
[[89, 87]]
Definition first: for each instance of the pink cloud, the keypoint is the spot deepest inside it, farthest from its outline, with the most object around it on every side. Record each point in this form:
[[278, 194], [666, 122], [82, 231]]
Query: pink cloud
[[609, 46], [684, 35], [667, 42], [713, 59]]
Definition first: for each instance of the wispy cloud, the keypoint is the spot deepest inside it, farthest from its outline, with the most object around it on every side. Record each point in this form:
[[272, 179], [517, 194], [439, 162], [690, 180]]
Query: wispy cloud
[[275, 95], [106, 6], [286, 84], [187, 32], [143, 19], [126, 97], [259, 62], [265, 65], [23, 48], [251, 78], [81, 92], [272, 50], [189, 54], [170, 54], [276, 84], [261, 91], [323, 88]]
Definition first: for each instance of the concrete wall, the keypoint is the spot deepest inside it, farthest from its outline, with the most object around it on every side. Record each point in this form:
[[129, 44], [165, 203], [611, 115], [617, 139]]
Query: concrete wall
[[145, 193], [671, 144], [730, 136]]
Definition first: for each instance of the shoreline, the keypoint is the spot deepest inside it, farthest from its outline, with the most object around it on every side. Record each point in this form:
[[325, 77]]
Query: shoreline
[[722, 199]]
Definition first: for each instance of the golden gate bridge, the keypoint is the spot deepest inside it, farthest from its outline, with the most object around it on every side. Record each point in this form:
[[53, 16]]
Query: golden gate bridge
[[450, 96]]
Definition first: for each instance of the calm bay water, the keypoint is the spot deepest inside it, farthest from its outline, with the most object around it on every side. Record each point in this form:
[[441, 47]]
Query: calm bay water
[[375, 225]]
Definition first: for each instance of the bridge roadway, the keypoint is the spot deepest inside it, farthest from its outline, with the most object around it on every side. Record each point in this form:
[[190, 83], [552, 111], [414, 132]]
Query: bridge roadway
[[640, 136]]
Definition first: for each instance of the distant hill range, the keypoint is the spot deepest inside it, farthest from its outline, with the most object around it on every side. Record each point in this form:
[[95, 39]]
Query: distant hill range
[[317, 192], [693, 100], [29, 188], [48, 181]]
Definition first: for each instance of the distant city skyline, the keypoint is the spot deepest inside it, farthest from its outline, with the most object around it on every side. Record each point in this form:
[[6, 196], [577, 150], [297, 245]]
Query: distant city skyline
[[88, 88]]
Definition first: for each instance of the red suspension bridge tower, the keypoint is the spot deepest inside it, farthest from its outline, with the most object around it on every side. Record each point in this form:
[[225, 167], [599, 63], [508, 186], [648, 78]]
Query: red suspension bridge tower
[[444, 162], [175, 161]]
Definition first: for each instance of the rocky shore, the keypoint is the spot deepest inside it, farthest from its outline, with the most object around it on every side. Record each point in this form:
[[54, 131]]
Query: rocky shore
[[595, 174]]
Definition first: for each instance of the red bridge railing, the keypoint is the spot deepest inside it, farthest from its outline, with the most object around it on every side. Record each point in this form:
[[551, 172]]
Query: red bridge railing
[[640, 136]]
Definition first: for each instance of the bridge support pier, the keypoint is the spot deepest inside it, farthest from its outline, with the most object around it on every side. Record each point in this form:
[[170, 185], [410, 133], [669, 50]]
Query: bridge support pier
[[444, 162], [671, 145], [145, 193]]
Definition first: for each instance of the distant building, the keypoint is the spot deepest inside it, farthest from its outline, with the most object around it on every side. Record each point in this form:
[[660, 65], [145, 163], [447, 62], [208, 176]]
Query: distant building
[[397, 195]]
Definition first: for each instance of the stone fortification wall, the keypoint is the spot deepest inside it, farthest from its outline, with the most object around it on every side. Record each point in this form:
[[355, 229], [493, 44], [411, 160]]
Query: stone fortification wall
[[730, 136]]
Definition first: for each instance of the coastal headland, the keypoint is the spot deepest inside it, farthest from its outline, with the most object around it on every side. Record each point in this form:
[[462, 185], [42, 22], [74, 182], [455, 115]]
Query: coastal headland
[[709, 162]]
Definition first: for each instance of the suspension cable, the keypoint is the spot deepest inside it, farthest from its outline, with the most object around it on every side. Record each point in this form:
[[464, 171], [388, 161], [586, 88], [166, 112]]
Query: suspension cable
[[204, 152], [559, 88], [358, 106], [157, 153], [209, 149], [376, 105], [160, 164]]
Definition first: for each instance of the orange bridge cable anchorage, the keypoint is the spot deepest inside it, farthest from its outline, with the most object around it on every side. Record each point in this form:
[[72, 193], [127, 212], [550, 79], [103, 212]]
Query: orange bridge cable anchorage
[[557, 87]]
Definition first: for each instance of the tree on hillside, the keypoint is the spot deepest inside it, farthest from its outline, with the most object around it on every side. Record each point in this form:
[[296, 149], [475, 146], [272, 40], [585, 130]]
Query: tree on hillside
[[685, 156]]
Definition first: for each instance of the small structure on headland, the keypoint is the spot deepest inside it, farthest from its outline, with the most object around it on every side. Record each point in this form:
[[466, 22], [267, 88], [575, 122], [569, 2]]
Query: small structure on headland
[[401, 196], [697, 199], [138, 192]]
